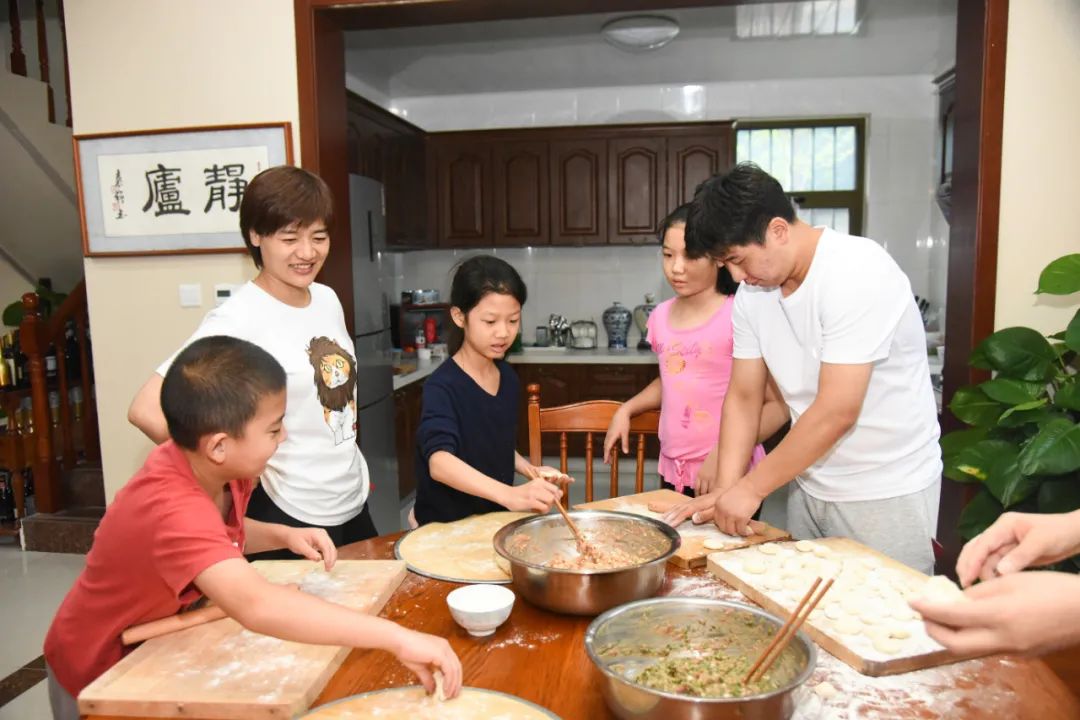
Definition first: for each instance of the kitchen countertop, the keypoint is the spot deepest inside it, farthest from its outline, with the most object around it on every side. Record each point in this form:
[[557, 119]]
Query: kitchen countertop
[[595, 356], [421, 372]]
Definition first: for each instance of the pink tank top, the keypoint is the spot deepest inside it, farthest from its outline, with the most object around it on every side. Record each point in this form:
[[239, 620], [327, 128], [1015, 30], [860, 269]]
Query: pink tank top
[[695, 367]]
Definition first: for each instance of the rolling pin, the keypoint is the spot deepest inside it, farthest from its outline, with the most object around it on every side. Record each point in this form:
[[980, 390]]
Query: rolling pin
[[171, 624]]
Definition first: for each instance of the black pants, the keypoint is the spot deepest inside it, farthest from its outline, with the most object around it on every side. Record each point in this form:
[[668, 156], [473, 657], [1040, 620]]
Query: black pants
[[263, 509], [688, 491]]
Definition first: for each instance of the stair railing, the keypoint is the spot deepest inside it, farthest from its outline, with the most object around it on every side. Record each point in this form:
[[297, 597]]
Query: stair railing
[[18, 55]]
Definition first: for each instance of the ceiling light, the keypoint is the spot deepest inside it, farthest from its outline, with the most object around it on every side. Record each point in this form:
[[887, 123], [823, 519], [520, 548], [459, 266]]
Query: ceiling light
[[640, 32]]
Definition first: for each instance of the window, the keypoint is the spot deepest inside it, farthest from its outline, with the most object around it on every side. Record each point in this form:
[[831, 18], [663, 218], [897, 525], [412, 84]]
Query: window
[[819, 163], [800, 18]]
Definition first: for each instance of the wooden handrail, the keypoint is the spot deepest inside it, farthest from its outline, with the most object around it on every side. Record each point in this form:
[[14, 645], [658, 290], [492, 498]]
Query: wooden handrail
[[18, 58], [43, 56], [46, 469], [67, 74]]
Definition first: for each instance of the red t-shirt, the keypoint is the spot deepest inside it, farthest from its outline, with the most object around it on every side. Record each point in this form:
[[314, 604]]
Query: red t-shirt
[[159, 533]]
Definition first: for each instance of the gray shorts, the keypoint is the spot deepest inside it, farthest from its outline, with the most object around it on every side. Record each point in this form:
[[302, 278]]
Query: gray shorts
[[64, 707], [900, 527]]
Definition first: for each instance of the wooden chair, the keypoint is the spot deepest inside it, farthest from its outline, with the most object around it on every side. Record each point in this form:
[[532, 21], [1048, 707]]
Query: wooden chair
[[588, 418]]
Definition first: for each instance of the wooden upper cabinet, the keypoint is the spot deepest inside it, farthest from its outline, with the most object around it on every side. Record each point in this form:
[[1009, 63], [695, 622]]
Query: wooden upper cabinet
[[463, 192], [692, 159], [637, 188], [579, 178], [521, 187]]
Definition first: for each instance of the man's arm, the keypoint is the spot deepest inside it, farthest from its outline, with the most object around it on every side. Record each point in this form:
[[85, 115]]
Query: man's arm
[[145, 410], [841, 391], [739, 422], [774, 413]]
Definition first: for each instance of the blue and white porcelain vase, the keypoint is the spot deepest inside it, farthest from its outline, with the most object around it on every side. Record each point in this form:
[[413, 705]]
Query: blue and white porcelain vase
[[641, 318], [617, 325]]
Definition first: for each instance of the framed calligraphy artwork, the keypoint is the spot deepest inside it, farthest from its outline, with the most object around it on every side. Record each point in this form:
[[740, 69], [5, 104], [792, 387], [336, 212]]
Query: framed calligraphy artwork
[[171, 191]]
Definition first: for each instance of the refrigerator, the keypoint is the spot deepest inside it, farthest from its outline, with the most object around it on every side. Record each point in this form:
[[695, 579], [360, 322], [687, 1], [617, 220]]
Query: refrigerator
[[375, 374]]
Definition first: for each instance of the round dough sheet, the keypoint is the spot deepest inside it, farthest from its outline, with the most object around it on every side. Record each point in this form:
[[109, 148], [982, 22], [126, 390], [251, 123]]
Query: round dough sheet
[[461, 551], [413, 703]]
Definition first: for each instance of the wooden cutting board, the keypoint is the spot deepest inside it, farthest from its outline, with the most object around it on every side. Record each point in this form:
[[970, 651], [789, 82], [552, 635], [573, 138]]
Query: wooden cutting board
[[220, 670], [862, 570], [692, 553]]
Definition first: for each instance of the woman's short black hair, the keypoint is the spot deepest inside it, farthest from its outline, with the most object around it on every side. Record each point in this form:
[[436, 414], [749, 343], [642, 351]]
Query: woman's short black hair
[[215, 385], [279, 197], [733, 209], [476, 277], [725, 284]]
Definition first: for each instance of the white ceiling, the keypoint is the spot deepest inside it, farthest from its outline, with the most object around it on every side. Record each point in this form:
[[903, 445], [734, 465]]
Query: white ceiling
[[897, 37]]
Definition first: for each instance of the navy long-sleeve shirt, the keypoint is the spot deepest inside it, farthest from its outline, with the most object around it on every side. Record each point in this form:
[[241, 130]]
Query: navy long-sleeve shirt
[[480, 429]]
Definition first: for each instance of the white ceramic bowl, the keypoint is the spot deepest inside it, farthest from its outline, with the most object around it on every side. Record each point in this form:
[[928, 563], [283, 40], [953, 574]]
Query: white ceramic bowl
[[481, 608]]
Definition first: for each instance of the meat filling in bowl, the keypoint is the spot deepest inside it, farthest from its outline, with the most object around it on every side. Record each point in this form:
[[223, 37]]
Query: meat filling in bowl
[[609, 546]]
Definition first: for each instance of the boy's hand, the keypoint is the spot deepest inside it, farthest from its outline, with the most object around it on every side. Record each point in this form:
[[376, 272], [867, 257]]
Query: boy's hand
[[423, 653], [618, 432], [1032, 612], [550, 474], [312, 543], [1017, 541], [691, 509]]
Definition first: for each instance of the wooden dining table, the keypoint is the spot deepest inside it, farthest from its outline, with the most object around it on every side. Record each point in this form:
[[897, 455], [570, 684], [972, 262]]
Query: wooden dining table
[[540, 656]]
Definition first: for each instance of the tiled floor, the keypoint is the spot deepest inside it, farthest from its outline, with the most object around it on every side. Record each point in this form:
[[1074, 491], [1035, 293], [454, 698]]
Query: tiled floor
[[31, 587]]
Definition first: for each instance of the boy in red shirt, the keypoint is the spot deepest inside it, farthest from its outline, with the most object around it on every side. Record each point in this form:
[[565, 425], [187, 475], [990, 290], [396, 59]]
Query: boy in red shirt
[[177, 531]]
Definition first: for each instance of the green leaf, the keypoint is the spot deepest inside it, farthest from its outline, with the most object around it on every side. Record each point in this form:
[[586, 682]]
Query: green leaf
[[1068, 395], [1012, 392], [1059, 496], [972, 406], [1054, 451], [1061, 277], [13, 314], [979, 360], [1072, 333], [979, 459], [1022, 407], [1009, 485], [1040, 416], [979, 514], [952, 443], [1020, 353]]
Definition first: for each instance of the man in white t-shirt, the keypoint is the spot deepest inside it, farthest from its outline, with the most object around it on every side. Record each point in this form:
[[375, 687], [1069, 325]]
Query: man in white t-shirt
[[831, 317]]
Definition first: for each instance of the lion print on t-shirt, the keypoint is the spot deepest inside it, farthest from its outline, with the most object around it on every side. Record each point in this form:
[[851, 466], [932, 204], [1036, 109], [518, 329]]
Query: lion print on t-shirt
[[335, 379]]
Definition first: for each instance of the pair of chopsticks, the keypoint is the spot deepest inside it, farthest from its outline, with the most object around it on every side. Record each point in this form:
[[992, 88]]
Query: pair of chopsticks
[[787, 631], [581, 542]]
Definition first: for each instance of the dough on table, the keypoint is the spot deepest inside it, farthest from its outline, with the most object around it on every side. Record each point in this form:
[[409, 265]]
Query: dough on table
[[887, 645], [719, 543], [462, 550], [826, 690], [768, 549], [833, 611], [848, 625], [805, 546], [413, 703], [755, 567]]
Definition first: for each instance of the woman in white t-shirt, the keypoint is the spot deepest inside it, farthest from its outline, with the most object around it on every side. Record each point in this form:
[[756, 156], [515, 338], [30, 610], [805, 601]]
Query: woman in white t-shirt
[[318, 477]]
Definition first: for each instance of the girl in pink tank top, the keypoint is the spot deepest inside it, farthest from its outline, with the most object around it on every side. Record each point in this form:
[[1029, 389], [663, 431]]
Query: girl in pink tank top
[[691, 335]]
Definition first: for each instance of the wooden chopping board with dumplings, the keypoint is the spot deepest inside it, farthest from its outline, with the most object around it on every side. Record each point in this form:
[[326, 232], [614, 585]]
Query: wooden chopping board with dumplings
[[865, 619], [219, 670], [698, 541]]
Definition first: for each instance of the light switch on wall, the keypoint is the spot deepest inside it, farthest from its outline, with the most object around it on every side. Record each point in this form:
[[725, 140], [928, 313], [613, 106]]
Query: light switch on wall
[[191, 295]]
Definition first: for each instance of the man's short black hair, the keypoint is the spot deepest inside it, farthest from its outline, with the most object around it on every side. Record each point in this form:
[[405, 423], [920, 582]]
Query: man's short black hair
[[734, 209], [215, 385]]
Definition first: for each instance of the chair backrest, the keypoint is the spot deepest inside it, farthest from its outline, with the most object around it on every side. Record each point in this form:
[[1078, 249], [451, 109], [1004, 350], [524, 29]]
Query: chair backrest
[[589, 417]]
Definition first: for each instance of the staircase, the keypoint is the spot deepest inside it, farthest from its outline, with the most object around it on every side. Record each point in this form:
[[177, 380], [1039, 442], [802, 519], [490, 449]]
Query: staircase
[[70, 530]]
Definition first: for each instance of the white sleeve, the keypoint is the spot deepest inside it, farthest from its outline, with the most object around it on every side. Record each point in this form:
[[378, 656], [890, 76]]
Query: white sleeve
[[860, 312], [746, 343], [216, 322]]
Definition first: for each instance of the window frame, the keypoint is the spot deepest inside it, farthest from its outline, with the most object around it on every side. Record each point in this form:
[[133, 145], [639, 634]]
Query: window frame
[[853, 200]]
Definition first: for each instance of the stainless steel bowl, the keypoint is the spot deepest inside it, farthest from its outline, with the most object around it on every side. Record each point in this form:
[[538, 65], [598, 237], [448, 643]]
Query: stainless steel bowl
[[636, 623], [582, 592]]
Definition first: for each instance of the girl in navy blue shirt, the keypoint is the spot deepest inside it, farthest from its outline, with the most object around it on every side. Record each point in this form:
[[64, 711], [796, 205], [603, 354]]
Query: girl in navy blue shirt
[[468, 422]]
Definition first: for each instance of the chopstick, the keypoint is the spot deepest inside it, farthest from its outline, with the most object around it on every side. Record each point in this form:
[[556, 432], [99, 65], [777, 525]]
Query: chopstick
[[787, 631], [582, 543]]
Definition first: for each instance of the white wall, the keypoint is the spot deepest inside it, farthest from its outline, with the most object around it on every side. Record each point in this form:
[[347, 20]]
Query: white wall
[[12, 287], [899, 150], [158, 64], [1040, 157]]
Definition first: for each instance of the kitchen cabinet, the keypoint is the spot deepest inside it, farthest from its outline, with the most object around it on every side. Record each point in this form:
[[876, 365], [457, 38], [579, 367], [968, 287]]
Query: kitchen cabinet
[[463, 191], [693, 159], [521, 191], [382, 146], [637, 183], [579, 180], [407, 404]]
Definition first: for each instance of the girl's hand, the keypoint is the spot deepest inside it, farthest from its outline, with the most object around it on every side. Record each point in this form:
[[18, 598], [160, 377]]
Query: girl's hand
[[534, 496], [1017, 541], [618, 432], [706, 481], [312, 543], [422, 653], [691, 509]]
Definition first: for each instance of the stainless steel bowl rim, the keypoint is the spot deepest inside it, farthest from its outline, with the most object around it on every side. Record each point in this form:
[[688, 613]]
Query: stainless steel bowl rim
[[598, 622], [508, 530]]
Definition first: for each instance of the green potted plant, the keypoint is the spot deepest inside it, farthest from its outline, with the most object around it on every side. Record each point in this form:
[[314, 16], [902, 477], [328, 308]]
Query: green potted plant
[[1023, 441], [13, 313]]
